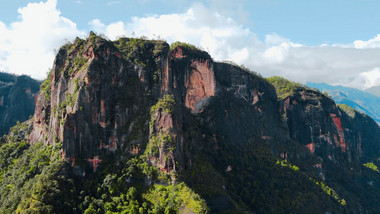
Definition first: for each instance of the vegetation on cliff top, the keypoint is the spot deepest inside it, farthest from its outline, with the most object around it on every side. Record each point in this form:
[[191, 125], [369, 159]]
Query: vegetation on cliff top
[[139, 50], [142, 52], [159, 138], [284, 87], [189, 50], [183, 45], [350, 111], [45, 88]]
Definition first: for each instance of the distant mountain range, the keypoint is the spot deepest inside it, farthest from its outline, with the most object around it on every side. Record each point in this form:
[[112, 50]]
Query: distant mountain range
[[375, 90], [362, 101], [17, 99]]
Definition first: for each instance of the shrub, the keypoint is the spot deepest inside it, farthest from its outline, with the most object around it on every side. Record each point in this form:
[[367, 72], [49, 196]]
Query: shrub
[[284, 87]]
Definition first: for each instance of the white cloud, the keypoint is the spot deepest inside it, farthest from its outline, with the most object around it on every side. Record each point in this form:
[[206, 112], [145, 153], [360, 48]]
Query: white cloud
[[113, 3], [372, 43], [277, 54], [226, 39], [27, 46], [198, 25], [97, 25], [112, 31], [370, 78]]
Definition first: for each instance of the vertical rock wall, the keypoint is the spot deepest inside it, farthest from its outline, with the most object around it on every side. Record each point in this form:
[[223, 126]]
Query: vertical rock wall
[[100, 94]]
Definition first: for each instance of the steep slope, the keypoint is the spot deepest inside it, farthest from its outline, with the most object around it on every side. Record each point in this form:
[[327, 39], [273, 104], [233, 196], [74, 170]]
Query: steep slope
[[342, 139], [102, 100], [147, 128], [177, 109], [17, 99], [361, 101]]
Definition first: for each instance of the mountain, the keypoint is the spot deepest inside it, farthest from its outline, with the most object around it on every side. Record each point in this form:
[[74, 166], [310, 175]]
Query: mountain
[[375, 90], [139, 126], [17, 99], [361, 101]]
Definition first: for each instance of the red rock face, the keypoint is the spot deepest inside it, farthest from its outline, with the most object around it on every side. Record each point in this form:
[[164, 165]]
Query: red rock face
[[338, 125], [284, 155], [264, 137], [134, 150], [255, 97], [62, 154], [164, 122], [343, 145], [94, 162], [35, 99], [337, 122], [102, 120], [79, 104], [316, 122], [112, 146], [286, 104], [178, 53], [39, 125], [201, 83], [72, 161], [311, 147]]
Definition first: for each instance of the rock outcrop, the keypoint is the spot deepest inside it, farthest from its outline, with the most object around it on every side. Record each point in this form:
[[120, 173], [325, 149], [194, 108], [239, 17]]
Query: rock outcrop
[[96, 98], [328, 131], [315, 121], [98, 101]]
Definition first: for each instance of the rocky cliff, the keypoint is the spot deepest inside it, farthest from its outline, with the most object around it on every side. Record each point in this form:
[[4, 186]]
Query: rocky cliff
[[99, 99], [136, 121], [17, 99], [332, 132], [341, 138]]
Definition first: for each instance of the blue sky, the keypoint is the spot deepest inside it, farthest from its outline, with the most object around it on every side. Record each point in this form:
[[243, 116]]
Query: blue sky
[[331, 41], [306, 22]]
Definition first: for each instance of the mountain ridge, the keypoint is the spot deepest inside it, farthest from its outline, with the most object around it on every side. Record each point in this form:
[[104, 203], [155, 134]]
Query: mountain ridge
[[362, 101], [375, 90], [162, 128], [17, 99]]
